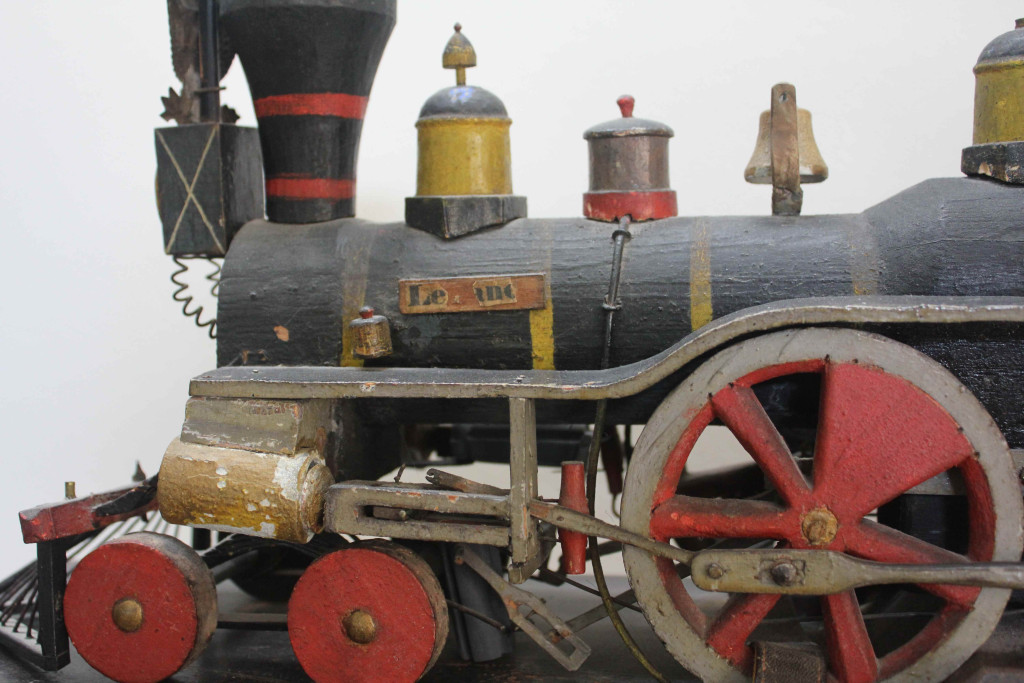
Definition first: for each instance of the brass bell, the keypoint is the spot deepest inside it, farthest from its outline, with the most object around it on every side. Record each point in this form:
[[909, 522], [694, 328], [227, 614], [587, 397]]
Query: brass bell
[[785, 154], [812, 167]]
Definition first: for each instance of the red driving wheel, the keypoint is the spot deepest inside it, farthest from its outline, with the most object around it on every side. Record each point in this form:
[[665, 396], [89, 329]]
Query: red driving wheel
[[140, 607], [888, 420], [371, 612]]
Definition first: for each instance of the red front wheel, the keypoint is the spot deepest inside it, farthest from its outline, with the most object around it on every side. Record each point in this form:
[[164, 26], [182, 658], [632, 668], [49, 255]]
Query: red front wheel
[[370, 612], [140, 607]]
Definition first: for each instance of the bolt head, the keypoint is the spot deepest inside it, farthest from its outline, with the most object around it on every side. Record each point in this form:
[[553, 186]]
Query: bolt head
[[127, 615], [360, 627], [784, 573], [715, 571]]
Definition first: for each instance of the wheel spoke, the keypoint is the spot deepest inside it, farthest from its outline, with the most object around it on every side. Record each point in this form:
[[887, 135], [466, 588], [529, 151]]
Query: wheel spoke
[[745, 417], [850, 653], [683, 516], [878, 436], [880, 543], [734, 624]]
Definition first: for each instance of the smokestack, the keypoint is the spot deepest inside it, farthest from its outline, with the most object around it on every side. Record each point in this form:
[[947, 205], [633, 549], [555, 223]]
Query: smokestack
[[310, 66]]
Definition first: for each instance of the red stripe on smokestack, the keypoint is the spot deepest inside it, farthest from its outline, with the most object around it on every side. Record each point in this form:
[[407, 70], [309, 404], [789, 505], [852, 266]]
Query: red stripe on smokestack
[[310, 188], [312, 104]]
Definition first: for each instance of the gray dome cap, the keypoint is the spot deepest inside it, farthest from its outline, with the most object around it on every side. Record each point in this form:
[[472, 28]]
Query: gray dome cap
[[1008, 46], [470, 101], [627, 125]]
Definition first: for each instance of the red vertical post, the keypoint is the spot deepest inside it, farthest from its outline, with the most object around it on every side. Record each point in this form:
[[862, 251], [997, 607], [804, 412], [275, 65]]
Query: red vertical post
[[573, 496]]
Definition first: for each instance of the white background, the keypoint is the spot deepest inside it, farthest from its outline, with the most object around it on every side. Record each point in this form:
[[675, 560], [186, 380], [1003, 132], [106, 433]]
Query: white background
[[95, 355]]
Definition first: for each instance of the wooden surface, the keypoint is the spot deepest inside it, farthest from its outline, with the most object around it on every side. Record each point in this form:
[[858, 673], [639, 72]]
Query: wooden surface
[[266, 657]]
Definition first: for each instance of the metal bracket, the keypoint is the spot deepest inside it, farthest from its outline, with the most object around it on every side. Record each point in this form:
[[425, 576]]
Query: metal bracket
[[354, 507], [517, 598], [824, 572], [525, 540], [564, 518], [787, 197]]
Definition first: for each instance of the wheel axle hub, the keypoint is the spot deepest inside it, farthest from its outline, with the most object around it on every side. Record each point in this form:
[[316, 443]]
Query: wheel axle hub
[[127, 614], [819, 526], [360, 627]]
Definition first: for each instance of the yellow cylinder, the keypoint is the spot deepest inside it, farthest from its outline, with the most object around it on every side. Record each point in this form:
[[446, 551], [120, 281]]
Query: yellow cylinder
[[999, 102], [464, 156], [999, 90], [259, 494]]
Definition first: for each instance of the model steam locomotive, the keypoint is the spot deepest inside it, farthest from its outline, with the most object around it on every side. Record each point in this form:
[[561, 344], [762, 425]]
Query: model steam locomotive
[[869, 365]]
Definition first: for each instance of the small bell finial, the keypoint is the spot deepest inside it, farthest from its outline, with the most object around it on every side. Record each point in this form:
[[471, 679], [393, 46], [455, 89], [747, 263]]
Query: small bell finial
[[459, 55], [626, 103]]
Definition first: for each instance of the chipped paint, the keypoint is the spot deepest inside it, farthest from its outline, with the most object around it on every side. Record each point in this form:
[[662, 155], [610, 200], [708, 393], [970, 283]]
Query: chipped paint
[[282, 332], [209, 486], [274, 426], [286, 476]]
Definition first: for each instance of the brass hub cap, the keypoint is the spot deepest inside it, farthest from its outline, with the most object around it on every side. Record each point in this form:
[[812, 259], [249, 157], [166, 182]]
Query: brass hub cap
[[819, 526], [127, 614], [360, 627]]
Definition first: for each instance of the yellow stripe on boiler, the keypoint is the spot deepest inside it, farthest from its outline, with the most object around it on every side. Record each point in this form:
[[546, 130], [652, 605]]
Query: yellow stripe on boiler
[[700, 276], [864, 265], [542, 335], [542, 320], [353, 288]]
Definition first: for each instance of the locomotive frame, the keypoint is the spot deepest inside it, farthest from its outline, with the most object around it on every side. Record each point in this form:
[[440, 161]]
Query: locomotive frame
[[466, 512], [521, 388]]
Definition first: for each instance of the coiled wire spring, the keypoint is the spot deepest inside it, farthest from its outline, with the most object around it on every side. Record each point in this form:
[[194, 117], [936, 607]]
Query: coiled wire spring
[[186, 300]]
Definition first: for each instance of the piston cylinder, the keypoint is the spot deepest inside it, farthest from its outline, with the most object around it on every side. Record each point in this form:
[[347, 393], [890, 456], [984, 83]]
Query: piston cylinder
[[629, 169], [255, 493]]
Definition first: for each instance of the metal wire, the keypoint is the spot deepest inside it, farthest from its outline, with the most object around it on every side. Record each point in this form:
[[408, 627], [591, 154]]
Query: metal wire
[[479, 615], [611, 305], [31, 583], [587, 589], [186, 300]]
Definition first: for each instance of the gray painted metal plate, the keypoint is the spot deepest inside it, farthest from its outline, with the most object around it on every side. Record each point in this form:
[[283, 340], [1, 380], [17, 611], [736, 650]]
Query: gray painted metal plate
[[281, 382]]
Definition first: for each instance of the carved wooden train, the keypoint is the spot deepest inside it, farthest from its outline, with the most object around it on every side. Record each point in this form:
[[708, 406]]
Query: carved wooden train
[[869, 364]]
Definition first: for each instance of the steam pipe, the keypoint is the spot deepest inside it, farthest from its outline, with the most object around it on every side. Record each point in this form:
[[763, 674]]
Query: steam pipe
[[209, 62]]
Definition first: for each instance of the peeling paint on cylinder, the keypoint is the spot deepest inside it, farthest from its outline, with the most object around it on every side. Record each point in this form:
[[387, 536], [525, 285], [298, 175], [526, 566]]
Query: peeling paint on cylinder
[[217, 488]]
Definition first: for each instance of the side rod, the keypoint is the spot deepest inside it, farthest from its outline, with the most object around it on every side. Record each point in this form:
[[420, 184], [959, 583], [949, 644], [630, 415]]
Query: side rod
[[823, 572]]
